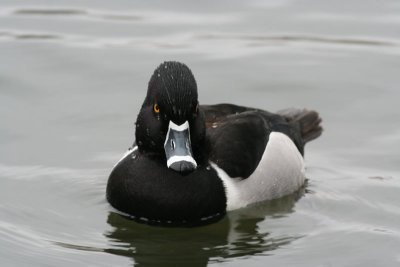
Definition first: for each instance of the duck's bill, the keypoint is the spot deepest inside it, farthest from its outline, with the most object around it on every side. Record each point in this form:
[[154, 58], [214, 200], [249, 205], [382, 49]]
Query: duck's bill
[[178, 148]]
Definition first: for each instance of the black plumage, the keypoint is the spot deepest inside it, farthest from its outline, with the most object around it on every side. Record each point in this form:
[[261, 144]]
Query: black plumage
[[233, 137]]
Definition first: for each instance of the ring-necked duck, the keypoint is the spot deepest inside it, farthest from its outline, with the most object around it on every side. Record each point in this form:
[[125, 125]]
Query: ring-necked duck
[[190, 163]]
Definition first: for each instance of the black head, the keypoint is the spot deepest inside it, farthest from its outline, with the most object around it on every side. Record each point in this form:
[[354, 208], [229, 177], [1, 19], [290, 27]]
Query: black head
[[170, 124]]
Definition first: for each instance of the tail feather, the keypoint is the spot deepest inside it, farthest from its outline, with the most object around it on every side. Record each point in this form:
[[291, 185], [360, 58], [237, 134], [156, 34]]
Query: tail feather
[[308, 121]]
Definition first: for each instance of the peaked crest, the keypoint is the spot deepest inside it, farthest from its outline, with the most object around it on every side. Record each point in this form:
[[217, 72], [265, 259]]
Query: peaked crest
[[173, 87]]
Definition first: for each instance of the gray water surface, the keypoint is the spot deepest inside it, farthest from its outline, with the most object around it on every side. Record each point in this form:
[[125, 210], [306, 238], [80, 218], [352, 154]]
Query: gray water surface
[[73, 75]]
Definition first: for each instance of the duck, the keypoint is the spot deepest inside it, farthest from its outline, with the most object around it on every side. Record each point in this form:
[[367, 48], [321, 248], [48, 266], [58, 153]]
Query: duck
[[190, 164]]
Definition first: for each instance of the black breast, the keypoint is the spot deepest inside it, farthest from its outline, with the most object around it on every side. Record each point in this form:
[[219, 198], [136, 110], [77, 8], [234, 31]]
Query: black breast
[[149, 192]]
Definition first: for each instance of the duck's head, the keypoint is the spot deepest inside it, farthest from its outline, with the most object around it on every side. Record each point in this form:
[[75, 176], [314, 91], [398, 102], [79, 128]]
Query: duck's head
[[169, 123]]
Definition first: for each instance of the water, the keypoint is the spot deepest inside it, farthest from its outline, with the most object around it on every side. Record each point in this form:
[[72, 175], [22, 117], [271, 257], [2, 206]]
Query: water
[[73, 75]]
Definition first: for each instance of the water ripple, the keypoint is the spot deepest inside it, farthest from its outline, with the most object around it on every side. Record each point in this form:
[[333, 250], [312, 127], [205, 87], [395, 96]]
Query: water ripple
[[149, 16], [213, 44], [10, 35], [49, 12], [265, 39]]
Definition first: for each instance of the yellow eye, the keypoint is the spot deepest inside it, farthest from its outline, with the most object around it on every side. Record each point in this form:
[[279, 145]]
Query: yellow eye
[[156, 108]]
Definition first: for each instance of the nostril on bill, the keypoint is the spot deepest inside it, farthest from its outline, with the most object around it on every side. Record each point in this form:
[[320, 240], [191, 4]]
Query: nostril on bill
[[173, 144]]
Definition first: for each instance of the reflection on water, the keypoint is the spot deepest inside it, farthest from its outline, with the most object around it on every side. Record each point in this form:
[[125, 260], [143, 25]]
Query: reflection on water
[[237, 235]]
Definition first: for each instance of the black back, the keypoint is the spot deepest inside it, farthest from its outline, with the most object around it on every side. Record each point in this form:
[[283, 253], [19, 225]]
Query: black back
[[237, 136]]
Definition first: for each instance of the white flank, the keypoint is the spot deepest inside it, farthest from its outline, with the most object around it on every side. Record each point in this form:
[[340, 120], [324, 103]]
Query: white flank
[[279, 173], [174, 159]]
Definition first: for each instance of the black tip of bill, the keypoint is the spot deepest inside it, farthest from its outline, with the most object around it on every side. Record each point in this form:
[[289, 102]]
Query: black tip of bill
[[183, 167]]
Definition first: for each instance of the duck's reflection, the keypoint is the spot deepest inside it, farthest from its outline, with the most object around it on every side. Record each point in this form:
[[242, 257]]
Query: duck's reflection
[[237, 235]]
